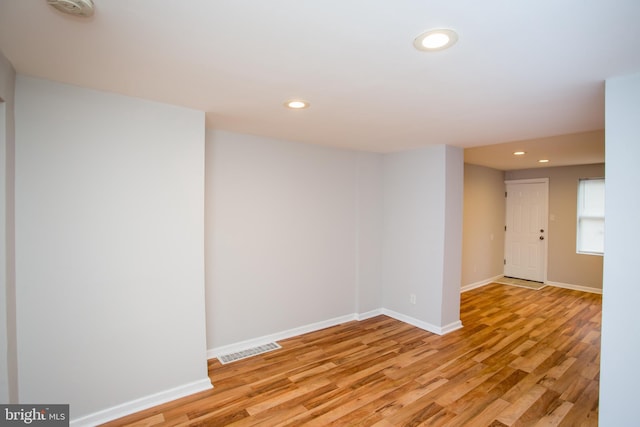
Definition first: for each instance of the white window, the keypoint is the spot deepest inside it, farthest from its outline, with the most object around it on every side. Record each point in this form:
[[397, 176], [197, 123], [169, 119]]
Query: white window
[[590, 235]]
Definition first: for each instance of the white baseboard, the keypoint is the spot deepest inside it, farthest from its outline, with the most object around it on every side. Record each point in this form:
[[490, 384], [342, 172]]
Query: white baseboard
[[255, 342], [439, 330], [479, 284], [213, 353], [369, 314], [141, 404], [575, 287], [453, 326]]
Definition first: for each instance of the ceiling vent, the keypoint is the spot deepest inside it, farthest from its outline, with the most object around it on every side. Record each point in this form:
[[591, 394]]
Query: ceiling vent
[[82, 8]]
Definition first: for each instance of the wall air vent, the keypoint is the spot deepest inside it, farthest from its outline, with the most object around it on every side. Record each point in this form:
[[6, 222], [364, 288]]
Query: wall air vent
[[232, 357], [82, 8]]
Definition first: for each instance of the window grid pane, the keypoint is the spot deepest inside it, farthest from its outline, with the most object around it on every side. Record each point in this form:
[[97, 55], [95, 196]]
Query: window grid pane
[[590, 233]]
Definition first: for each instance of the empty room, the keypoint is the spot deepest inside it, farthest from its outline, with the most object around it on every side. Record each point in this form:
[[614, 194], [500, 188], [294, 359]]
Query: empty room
[[286, 212]]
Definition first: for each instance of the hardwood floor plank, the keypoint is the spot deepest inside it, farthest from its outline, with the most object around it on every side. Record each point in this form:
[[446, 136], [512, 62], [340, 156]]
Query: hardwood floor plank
[[456, 392], [481, 414], [153, 420], [538, 409], [523, 358], [584, 412], [271, 417], [474, 402], [554, 418], [413, 415], [514, 411], [286, 396], [387, 404], [532, 359]]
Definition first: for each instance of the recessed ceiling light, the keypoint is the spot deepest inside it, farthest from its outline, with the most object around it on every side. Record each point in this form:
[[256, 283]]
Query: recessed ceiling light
[[296, 104], [519, 153], [543, 161], [434, 40]]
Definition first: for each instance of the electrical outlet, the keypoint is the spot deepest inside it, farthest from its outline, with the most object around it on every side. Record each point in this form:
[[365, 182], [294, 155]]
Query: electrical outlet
[[412, 298]]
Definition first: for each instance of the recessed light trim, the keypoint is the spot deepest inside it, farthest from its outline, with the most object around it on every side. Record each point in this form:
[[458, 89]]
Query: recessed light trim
[[82, 8], [543, 161], [435, 40], [296, 104], [519, 153]]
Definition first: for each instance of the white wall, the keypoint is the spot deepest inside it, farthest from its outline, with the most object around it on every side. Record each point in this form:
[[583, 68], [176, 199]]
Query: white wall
[[423, 234], [4, 301], [8, 355], [369, 218], [620, 327], [484, 219], [109, 247], [281, 236], [110, 252], [299, 235], [452, 235]]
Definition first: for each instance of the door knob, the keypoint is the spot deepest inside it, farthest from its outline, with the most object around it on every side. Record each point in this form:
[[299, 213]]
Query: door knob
[[541, 230], [541, 237]]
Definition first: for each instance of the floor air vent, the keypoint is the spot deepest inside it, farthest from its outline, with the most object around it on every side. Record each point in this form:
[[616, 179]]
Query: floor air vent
[[232, 357]]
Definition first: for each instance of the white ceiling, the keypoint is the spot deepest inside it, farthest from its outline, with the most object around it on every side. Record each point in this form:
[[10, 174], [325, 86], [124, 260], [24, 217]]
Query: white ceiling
[[520, 69]]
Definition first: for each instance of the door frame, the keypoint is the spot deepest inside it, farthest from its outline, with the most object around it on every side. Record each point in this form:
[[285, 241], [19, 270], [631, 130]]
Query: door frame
[[545, 181]]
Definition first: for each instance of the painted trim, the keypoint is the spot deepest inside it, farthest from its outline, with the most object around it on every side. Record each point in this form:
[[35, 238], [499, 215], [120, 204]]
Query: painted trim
[[575, 287], [453, 326], [479, 283], [213, 353], [527, 181], [141, 404], [369, 314], [439, 330], [290, 333]]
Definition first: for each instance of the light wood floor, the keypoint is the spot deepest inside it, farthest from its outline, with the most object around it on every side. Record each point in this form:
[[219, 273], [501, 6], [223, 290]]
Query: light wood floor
[[523, 358]]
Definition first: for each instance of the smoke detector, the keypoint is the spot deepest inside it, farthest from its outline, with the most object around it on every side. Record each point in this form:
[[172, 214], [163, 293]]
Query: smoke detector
[[82, 8]]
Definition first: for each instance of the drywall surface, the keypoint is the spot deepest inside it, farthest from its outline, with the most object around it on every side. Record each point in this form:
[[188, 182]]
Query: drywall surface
[[369, 226], [421, 250], [619, 376], [484, 221], [8, 337], [281, 235], [109, 246]]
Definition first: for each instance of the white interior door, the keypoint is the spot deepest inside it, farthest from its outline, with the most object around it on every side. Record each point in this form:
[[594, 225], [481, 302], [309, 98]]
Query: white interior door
[[526, 229]]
